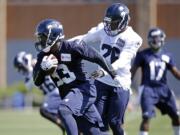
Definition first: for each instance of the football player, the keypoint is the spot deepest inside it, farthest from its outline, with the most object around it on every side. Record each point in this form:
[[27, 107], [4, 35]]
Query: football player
[[24, 64], [154, 91], [118, 44], [78, 93]]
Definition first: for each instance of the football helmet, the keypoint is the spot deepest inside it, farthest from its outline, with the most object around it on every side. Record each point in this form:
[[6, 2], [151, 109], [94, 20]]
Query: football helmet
[[156, 38], [48, 32], [116, 19], [23, 62]]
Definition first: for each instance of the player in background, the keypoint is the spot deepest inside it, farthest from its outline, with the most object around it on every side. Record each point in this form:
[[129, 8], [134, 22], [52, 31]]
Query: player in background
[[24, 63], [118, 43], [78, 93], [154, 91]]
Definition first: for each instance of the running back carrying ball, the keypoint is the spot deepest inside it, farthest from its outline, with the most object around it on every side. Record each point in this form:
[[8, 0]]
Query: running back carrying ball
[[49, 64]]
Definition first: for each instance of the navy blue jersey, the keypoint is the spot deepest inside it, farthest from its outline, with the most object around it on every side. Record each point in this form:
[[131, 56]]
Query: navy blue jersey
[[154, 66], [70, 72]]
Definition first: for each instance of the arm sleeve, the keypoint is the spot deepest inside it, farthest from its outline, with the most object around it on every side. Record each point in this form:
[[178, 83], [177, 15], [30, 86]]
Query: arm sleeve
[[138, 60], [90, 54], [38, 73], [169, 60]]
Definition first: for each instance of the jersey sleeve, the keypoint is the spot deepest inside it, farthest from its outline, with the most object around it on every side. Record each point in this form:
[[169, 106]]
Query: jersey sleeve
[[90, 54], [138, 59], [38, 73], [169, 61]]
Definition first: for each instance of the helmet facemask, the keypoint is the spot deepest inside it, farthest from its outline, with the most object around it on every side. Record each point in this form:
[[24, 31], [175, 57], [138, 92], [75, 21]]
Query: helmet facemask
[[49, 37], [41, 42], [115, 27], [23, 63], [156, 39], [116, 19]]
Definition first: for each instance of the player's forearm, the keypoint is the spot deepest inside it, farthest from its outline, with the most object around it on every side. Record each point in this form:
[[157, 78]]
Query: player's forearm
[[106, 66], [177, 75], [95, 57], [176, 72], [133, 71], [38, 76]]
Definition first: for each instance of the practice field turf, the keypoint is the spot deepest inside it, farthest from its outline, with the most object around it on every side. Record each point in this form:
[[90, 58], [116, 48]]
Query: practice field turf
[[29, 122]]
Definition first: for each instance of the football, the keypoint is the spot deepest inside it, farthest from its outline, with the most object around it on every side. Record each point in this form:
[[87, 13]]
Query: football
[[53, 69]]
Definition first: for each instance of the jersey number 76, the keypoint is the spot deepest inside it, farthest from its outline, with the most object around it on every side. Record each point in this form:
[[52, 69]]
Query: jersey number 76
[[113, 52]]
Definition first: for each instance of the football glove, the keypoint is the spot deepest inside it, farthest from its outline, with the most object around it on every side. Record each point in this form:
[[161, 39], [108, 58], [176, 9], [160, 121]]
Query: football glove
[[49, 62], [97, 74]]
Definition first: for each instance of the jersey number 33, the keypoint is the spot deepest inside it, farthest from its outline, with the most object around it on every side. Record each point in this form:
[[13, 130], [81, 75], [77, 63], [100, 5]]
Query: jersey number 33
[[66, 75]]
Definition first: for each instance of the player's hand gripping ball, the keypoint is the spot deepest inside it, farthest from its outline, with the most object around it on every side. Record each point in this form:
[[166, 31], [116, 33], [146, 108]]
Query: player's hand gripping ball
[[49, 64]]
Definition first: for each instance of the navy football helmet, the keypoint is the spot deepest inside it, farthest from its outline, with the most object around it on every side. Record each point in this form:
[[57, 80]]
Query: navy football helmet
[[116, 19], [48, 33], [23, 62], [156, 38]]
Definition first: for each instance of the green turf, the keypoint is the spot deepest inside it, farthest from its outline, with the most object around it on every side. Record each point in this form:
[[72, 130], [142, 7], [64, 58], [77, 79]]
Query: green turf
[[25, 123], [29, 122], [160, 125]]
